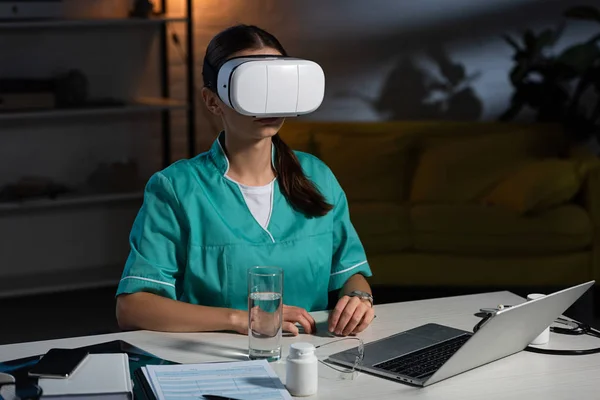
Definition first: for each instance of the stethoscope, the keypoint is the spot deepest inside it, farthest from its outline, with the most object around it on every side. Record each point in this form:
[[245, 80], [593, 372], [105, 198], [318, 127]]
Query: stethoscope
[[575, 328]]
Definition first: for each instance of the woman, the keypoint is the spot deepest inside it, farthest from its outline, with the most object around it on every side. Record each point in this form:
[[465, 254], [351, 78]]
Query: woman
[[250, 200]]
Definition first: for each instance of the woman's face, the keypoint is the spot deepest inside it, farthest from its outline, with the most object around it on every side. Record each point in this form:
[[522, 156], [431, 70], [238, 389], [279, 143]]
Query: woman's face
[[239, 125]]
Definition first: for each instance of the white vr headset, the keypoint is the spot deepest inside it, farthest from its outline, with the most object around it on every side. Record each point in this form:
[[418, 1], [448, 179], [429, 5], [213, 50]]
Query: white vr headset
[[269, 86]]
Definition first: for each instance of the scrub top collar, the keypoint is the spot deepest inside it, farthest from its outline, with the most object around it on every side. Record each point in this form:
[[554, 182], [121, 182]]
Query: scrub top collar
[[219, 158]]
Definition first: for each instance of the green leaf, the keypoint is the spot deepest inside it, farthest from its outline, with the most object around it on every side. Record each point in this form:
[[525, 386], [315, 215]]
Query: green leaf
[[545, 39], [512, 42], [580, 57], [588, 13], [529, 39], [518, 73]]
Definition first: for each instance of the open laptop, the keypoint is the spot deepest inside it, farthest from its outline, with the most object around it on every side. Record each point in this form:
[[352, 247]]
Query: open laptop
[[430, 353]]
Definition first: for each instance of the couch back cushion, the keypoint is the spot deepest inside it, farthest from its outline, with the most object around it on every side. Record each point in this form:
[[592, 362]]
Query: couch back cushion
[[371, 161], [466, 169], [419, 161]]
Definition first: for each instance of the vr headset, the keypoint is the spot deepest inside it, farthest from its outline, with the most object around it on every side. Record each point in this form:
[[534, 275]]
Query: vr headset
[[268, 86]]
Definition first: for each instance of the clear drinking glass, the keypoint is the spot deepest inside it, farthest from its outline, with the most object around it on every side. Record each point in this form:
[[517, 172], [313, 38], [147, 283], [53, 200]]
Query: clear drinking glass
[[265, 312]]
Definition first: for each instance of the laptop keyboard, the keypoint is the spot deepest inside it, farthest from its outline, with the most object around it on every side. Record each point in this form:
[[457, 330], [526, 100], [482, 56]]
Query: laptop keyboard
[[422, 363]]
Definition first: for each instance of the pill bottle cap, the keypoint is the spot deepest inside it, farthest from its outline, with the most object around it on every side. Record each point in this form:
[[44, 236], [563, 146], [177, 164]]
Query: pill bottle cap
[[535, 296], [301, 350]]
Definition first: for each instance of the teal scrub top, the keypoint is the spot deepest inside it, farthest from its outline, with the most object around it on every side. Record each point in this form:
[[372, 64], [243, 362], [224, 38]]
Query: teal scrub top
[[194, 238]]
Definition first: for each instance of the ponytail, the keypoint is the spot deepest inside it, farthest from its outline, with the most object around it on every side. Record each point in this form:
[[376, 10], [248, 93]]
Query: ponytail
[[296, 187]]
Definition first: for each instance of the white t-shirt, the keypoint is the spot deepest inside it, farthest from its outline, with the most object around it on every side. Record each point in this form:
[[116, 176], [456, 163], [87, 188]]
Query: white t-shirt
[[259, 201]]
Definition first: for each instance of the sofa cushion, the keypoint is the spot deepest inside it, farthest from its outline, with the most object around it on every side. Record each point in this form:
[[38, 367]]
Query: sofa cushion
[[537, 186], [369, 166], [382, 227], [465, 170], [478, 229]]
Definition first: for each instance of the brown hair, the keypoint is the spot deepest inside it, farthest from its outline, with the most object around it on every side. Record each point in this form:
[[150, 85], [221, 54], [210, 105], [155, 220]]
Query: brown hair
[[300, 191]]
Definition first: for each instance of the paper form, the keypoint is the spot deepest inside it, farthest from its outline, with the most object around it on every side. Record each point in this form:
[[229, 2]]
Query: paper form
[[243, 380]]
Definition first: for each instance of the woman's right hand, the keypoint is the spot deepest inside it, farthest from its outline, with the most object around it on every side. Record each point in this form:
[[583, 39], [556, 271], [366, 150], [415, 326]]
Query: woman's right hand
[[291, 316]]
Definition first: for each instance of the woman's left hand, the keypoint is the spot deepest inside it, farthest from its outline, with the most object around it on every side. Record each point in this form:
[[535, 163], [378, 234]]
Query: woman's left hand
[[351, 315]]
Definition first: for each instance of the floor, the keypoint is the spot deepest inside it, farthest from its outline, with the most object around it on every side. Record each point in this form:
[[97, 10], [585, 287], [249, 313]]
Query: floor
[[92, 311]]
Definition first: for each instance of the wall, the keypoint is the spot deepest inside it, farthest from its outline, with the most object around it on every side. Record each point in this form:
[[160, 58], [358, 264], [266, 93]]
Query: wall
[[380, 55], [60, 245], [380, 58]]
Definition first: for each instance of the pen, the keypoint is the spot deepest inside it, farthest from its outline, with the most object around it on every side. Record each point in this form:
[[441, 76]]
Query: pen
[[216, 397]]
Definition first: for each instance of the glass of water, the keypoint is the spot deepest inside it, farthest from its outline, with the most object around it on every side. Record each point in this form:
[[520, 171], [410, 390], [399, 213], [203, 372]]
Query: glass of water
[[265, 312]]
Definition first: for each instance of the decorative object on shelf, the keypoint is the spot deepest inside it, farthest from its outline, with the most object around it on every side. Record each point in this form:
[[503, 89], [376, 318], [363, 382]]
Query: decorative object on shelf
[[25, 94], [142, 9], [32, 187], [31, 9], [561, 88], [63, 91], [71, 89]]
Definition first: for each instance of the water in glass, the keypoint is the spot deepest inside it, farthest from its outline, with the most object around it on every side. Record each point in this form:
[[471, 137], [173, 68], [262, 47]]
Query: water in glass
[[265, 312]]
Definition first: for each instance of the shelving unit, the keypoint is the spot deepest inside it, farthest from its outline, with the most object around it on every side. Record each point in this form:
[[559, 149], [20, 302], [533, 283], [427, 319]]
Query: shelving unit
[[69, 201], [82, 23], [101, 262], [140, 105]]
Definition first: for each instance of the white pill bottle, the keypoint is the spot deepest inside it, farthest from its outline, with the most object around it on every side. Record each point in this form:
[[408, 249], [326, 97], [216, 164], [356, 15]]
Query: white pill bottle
[[302, 372]]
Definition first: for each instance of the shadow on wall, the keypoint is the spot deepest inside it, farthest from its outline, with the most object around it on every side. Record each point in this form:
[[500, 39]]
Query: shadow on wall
[[413, 92]]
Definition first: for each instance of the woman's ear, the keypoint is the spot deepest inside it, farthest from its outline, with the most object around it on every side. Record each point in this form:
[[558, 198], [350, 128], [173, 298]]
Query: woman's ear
[[211, 101]]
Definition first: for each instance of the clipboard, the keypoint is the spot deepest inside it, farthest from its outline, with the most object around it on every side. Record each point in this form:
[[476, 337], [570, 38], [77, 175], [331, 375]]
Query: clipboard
[[145, 391], [138, 358]]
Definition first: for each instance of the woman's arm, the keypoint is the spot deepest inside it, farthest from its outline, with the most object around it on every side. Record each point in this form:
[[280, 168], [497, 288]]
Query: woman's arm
[[143, 310], [356, 282]]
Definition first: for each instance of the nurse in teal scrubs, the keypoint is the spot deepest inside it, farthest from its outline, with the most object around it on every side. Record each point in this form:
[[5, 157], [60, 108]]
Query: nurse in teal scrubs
[[249, 200]]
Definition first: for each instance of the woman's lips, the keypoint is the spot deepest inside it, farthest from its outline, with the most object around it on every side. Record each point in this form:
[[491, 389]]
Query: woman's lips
[[267, 121]]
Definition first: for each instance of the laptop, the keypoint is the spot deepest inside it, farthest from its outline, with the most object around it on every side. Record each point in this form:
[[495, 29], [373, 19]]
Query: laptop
[[431, 353]]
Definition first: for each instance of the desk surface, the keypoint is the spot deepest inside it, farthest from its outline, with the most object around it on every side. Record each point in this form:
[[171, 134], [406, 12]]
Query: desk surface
[[523, 375]]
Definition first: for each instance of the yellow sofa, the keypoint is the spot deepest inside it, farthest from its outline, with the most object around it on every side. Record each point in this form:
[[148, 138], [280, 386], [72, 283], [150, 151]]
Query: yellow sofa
[[464, 203]]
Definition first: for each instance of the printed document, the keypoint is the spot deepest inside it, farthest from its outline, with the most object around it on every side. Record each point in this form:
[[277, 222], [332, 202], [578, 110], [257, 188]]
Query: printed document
[[243, 380]]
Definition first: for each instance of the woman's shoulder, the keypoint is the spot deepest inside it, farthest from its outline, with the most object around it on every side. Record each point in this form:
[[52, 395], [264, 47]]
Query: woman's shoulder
[[318, 171], [181, 174], [312, 163]]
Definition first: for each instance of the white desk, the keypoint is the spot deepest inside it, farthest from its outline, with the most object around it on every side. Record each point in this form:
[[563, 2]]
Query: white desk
[[521, 376]]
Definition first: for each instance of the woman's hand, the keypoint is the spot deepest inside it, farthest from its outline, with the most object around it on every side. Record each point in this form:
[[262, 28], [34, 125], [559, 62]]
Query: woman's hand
[[264, 322], [351, 315], [293, 315]]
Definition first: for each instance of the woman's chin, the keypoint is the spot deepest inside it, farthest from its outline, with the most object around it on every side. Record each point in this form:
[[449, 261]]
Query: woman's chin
[[266, 127]]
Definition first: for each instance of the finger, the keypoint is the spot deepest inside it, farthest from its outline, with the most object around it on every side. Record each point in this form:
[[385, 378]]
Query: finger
[[366, 321], [290, 327], [356, 319], [346, 315], [334, 317], [300, 315], [306, 325], [311, 320]]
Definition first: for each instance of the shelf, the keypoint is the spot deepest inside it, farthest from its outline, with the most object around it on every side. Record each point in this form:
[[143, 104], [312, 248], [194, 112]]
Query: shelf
[[60, 281], [138, 106], [82, 23], [69, 201]]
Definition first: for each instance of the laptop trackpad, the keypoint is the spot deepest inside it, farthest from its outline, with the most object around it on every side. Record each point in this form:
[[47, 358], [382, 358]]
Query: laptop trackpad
[[408, 341]]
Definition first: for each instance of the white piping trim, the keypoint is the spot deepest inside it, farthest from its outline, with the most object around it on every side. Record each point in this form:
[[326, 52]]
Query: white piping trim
[[238, 185], [149, 280], [224, 155], [349, 269], [271, 209]]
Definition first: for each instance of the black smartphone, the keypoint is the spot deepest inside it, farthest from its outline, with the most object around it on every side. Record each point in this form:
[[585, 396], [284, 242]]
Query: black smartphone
[[58, 363]]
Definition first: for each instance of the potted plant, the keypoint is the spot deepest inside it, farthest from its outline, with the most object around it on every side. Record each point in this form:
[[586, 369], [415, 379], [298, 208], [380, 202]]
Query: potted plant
[[554, 85]]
